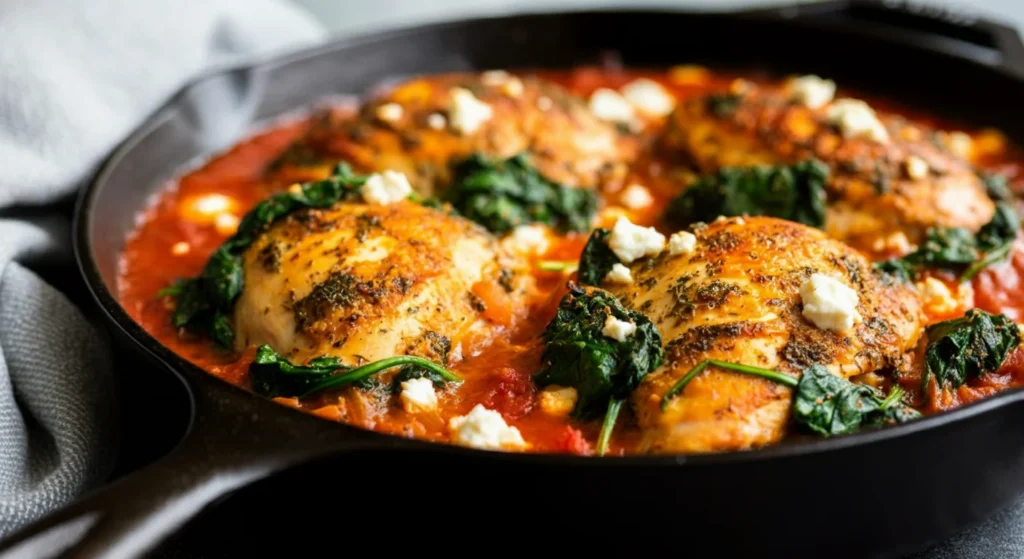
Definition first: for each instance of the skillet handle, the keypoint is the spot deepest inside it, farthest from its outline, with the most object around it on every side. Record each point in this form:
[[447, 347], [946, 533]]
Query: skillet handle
[[231, 443], [939, 27]]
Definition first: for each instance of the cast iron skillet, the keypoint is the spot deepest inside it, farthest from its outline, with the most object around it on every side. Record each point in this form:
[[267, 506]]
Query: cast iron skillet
[[881, 493]]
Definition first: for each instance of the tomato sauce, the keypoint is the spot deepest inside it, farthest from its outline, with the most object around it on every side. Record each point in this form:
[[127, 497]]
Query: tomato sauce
[[168, 245]]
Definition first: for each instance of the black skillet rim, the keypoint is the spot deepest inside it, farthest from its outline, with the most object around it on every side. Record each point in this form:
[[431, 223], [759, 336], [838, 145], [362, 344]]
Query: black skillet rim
[[192, 376]]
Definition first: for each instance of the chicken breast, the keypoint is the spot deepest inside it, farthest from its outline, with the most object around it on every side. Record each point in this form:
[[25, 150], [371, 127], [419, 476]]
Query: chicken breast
[[883, 195], [365, 282], [737, 298], [424, 125]]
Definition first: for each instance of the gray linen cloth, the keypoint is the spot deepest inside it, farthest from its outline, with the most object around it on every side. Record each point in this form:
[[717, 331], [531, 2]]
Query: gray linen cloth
[[75, 77]]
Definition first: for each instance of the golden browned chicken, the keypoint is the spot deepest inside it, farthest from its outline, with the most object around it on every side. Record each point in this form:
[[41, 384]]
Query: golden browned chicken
[[890, 179], [364, 282], [423, 126], [765, 292]]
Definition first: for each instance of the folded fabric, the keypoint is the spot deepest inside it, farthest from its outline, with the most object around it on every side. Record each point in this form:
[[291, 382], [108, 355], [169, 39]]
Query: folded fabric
[[75, 78]]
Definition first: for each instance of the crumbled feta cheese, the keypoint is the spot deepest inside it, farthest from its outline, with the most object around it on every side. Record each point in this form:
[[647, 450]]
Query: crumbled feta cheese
[[437, 121], [558, 400], [829, 304], [493, 78], [937, 298], [960, 144], [529, 239], [455, 355], [418, 395], [485, 429], [544, 103], [636, 197], [649, 97], [682, 242], [467, 112], [619, 330], [226, 224], [607, 104], [509, 84], [619, 274], [212, 204], [812, 91], [856, 119], [915, 167], [724, 219], [513, 87], [630, 242], [181, 247], [386, 188], [389, 112], [895, 242]]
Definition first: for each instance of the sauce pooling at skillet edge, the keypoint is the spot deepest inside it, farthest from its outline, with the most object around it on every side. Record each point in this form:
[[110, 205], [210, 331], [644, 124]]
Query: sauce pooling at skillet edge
[[198, 211]]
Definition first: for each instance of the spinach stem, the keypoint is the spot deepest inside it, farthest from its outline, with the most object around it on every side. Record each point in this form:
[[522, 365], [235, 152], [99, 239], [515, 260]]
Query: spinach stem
[[554, 265], [610, 416], [895, 395], [364, 371], [769, 374], [995, 255]]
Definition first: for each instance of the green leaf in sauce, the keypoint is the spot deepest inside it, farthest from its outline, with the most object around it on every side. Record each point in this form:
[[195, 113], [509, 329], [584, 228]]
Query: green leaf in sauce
[[604, 371], [410, 372], [968, 347], [823, 403], [958, 249], [597, 258], [996, 187], [273, 375], [796, 193], [503, 194], [829, 405]]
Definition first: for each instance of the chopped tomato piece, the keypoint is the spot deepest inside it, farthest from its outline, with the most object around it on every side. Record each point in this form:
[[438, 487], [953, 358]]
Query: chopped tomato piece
[[572, 441], [513, 393]]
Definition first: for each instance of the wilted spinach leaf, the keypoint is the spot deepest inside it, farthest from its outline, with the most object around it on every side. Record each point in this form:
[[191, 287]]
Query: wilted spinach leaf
[[823, 403], [995, 239], [602, 370], [958, 249], [501, 195], [896, 268], [410, 372], [965, 348], [830, 405], [796, 193], [274, 375], [597, 258], [996, 187]]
